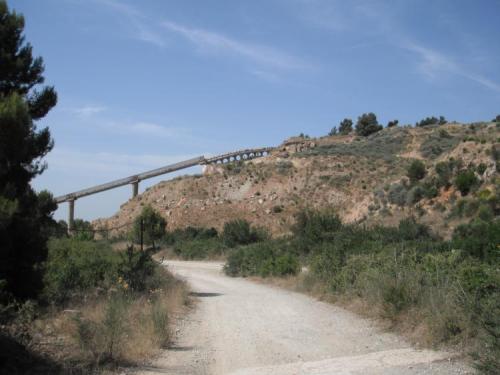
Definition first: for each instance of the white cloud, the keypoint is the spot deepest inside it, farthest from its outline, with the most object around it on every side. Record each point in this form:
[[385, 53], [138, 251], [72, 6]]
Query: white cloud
[[140, 23], [211, 41], [432, 63], [88, 110]]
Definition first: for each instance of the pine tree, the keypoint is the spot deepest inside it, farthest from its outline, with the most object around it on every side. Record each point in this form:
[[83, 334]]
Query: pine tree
[[24, 214], [367, 124]]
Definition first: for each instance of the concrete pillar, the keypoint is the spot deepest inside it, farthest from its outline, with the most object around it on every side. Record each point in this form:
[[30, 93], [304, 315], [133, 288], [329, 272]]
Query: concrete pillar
[[71, 216], [135, 188]]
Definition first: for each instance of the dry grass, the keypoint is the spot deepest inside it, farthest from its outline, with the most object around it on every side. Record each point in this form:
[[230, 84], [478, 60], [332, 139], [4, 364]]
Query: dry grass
[[118, 329]]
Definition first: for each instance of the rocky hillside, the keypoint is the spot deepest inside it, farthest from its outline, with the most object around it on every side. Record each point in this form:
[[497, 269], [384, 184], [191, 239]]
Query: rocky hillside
[[365, 179]]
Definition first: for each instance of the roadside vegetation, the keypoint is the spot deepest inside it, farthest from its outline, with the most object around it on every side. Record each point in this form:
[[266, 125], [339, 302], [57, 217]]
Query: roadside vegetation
[[449, 289], [100, 308]]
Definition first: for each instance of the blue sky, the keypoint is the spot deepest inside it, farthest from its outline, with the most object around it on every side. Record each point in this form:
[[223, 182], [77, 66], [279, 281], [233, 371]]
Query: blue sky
[[143, 84]]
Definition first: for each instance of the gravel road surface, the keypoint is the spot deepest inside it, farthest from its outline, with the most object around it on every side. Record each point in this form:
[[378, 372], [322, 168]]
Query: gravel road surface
[[240, 327]]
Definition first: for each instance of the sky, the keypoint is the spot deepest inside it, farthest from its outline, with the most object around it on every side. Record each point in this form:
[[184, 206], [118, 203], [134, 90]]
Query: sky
[[142, 84]]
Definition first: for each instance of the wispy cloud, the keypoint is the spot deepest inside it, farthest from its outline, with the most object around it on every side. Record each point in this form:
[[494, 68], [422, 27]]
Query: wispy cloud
[[88, 110], [207, 40], [141, 24], [384, 22], [433, 63]]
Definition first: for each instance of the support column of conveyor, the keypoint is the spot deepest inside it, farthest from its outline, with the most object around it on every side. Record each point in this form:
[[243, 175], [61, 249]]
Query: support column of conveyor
[[71, 215], [135, 188]]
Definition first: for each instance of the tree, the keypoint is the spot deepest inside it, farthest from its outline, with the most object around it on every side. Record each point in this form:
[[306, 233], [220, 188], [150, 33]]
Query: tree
[[416, 171], [367, 124], [345, 126], [497, 119], [392, 123], [431, 121], [333, 132], [151, 223], [24, 215]]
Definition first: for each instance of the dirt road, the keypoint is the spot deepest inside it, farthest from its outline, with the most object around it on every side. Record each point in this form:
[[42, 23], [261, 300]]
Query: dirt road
[[243, 328]]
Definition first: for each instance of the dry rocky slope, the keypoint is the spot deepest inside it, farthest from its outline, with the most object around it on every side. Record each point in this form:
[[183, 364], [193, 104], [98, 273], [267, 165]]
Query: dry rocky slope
[[353, 175]]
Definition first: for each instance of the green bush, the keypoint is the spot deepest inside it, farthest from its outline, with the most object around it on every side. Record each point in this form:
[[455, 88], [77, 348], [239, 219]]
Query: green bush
[[199, 248], [189, 233], [415, 194], [151, 224], [479, 239], [367, 124], [416, 171], [444, 171], [312, 226], [465, 181], [381, 145], [136, 268], [345, 126], [397, 194], [481, 168], [410, 229], [83, 230], [262, 259], [392, 123], [431, 121], [436, 143], [74, 266], [239, 232]]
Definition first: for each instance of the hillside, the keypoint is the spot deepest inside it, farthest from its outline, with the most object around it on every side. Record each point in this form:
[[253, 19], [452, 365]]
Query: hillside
[[363, 178]]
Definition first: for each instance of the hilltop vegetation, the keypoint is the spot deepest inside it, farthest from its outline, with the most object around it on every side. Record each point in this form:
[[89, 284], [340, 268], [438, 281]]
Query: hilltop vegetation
[[364, 178]]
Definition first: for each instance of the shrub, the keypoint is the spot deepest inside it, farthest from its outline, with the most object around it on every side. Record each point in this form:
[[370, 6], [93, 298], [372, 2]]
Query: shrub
[[239, 232], [392, 123], [277, 209], [409, 229], [189, 233], [481, 168], [479, 239], [83, 230], [345, 126], [284, 167], [382, 145], [397, 194], [333, 132], [104, 340], [436, 143], [444, 171], [315, 226], [262, 259], [415, 194], [416, 171], [152, 225], [465, 181], [136, 268], [367, 124], [432, 121], [485, 212], [199, 248], [496, 119], [74, 266]]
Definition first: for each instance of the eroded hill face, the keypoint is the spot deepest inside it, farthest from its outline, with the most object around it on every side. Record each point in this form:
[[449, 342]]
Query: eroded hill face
[[362, 178]]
